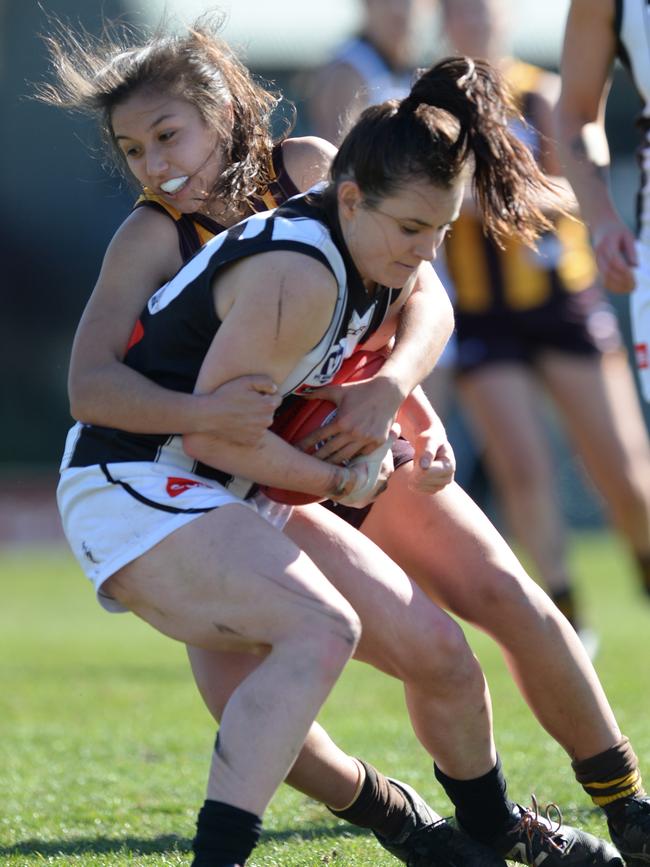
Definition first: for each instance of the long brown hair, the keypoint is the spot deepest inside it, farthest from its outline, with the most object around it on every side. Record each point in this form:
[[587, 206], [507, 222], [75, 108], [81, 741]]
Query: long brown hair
[[93, 75], [454, 120]]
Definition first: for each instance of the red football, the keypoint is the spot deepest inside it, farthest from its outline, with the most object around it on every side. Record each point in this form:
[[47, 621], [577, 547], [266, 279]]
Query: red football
[[298, 416]]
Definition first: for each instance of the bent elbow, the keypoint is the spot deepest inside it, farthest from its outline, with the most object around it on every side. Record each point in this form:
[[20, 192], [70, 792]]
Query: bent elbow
[[447, 318], [73, 406], [80, 402]]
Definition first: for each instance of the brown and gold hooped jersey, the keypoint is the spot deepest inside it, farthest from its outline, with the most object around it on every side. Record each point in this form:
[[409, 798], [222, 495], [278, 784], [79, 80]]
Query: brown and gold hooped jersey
[[195, 229], [488, 279]]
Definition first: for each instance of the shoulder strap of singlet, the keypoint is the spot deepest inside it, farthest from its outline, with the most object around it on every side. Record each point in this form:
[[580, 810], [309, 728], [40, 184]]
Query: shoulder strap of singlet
[[280, 186], [195, 229]]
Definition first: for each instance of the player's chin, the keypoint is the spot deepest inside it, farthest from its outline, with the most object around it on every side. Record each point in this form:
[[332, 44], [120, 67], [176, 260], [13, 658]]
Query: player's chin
[[397, 276]]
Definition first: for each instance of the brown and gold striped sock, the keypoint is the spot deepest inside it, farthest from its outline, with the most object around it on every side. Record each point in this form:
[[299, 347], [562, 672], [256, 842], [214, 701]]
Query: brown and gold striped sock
[[610, 777]]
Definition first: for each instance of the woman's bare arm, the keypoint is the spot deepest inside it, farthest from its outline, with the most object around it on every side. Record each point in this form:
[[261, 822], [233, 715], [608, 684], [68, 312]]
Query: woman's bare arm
[[587, 60], [142, 256], [418, 328], [277, 307]]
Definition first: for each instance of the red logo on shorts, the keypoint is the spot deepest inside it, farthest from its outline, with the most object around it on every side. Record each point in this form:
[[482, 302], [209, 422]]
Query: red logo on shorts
[[176, 485], [642, 356]]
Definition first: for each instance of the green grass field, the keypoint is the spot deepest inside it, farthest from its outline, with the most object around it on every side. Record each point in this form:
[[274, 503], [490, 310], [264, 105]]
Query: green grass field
[[104, 744]]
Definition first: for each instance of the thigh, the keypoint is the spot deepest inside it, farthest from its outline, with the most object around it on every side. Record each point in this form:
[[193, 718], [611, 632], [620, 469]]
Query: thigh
[[598, 401], [452, 551], [503, 404], [228, 580], [398, 621]]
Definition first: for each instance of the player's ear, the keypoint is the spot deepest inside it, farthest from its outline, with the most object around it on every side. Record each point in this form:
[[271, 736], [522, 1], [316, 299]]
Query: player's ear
[[349, 198]]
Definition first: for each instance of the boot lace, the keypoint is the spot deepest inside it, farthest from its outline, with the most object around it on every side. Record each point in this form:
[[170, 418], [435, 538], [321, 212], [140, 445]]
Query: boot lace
[[535, 824]]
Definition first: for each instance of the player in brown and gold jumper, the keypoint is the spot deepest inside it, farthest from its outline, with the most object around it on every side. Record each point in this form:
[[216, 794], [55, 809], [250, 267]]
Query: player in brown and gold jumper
[[531, 322]]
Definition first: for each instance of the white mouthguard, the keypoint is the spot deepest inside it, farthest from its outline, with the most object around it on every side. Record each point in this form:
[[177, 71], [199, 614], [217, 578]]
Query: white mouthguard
[[174, 184]]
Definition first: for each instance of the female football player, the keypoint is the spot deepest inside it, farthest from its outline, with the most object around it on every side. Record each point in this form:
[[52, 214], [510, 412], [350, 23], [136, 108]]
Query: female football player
[[389, 218]]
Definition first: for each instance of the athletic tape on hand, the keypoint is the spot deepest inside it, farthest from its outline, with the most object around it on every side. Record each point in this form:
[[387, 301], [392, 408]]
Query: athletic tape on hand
[[373, 462]]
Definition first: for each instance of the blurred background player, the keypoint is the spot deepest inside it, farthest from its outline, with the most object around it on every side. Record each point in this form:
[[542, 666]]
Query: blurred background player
[[531, 325], [367, 69], [596, 33]]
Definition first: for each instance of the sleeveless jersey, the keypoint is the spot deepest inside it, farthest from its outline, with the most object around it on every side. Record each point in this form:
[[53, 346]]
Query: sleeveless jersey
[[381, 81], [195, 229], [179, 323], [632, 25], [488, 279]]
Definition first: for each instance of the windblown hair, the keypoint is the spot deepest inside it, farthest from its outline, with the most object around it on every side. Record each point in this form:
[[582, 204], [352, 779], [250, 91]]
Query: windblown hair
[[454, 121], [93, 75]]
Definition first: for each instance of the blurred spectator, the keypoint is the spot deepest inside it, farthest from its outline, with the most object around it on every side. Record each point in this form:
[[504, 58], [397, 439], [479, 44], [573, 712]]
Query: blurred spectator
[[369, 68]]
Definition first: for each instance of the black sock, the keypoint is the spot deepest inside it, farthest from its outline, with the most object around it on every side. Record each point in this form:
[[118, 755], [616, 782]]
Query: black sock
[[482, 807], [225, 835], [379, 806]]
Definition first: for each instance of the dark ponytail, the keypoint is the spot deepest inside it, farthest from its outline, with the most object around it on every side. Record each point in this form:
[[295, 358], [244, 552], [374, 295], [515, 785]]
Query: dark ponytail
[[454, 119]]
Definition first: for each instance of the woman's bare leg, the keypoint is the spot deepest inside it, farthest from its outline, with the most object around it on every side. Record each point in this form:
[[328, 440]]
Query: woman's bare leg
[[408, 637], [409, 630], [229, 581], [322, 771], [503, 404], [608, 430], [454, 553], [404, 635]]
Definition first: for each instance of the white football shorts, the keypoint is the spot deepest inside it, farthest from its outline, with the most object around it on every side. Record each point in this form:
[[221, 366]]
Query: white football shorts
[[114, 513], [640, 319]]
